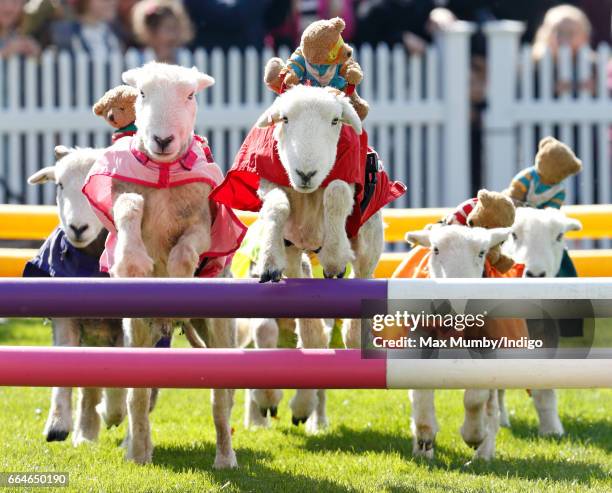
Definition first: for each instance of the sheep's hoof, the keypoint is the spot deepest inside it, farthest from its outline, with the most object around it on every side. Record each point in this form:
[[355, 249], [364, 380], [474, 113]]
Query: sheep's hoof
[[54, 435], [297, 421], [424, 448], [271, 275], [425, 444], [331, 276], [273, 412]]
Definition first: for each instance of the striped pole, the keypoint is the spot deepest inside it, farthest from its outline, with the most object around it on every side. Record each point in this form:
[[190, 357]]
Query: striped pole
[[283, 368]]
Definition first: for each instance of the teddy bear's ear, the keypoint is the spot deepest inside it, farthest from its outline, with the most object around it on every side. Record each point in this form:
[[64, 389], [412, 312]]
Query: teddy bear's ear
[[99, 107], [338, 24], [545, 141], [484, 195]]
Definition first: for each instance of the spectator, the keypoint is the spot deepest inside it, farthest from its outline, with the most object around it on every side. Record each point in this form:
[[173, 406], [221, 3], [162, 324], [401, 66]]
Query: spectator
[[92, 31], [12, 42], [163, 26], [564, 25], [123, 24], [227, 23]]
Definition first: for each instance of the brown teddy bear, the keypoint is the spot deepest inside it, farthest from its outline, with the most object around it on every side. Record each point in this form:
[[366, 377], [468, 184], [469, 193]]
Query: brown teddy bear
[[117, 108], [542, 185], [322, 60], [488, 210]]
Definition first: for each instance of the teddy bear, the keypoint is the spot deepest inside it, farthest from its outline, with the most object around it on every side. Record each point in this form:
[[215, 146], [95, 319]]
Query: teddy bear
[[542, 185], [322, 60], [488, 210], [117, 108]]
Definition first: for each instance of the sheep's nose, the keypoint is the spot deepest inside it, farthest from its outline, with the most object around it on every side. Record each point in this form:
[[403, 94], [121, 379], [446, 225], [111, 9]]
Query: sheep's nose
[[305, 176], [78, 231], [163, 143], [530, 273]]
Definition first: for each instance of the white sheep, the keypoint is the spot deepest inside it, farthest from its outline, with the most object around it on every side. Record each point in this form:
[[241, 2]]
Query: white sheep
[[457, 252], [307, 217], [162, 228], [85, 236], [538, 241]]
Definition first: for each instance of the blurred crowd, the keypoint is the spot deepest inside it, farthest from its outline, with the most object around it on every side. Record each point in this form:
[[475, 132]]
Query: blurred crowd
[[27, 26]]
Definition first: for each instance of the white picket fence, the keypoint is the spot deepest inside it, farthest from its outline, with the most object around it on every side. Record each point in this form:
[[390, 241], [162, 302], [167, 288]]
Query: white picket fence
[[524, 105], [418, 120]]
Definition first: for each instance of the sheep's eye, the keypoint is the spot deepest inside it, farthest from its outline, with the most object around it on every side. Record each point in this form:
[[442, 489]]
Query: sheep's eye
[[190, 97], [560, 237], [514, 237], [285, 119], [60, 186], [436, 251], [142, 94], [481, 254], [335, 121]]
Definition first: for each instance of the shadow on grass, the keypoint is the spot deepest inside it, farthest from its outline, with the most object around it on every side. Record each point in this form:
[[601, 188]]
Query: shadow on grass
[[349, 440], [597, 433], [252, 475]]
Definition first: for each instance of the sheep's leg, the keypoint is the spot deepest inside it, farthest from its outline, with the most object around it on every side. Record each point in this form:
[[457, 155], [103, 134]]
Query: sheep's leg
[[222, 332], [131, 257], [139, 333], [88, 421], [184, 257], [59, 421], [545, 402], [336, 249], [368, 246], [113, 407], [312, 333], [481, 421], [274, 214], [423, 423], [261, 402], [504, 418]]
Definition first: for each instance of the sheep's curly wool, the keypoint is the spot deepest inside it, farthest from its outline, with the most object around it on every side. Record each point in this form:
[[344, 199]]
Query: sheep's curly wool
[[123, 162], [258, 159]]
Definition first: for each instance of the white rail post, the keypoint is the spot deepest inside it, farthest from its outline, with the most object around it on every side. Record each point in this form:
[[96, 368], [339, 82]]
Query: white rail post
[[500, 145], [455, 52]]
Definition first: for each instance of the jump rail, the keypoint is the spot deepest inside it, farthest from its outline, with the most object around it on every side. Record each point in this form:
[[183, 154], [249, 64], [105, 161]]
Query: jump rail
[[305, 298], [282, 368], [27, 222]]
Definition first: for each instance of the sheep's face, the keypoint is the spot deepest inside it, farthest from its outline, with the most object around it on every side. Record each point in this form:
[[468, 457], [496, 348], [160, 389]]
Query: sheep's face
[[166, 107], [77, 218], [307, 128], [458, 251], [538, 240]]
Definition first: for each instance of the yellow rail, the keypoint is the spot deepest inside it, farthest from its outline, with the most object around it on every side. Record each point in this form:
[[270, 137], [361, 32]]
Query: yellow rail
[[23, 222], [589, 263]]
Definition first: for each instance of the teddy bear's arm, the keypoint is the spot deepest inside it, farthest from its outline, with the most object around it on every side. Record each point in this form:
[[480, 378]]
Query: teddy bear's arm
[[520, 185], [497, 259], [352, 72]]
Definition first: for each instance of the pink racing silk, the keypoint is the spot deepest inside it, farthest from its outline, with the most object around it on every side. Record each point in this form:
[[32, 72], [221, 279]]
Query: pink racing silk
[[123, 161]]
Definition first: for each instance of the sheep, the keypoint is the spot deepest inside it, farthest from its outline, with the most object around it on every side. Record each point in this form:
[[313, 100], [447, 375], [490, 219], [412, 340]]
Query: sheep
[[162, 228], [85, 236], [537, 241], [457, 252], [308, 217]]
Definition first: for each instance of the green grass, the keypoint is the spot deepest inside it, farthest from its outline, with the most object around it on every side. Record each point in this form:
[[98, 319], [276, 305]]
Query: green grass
[[367, 447]]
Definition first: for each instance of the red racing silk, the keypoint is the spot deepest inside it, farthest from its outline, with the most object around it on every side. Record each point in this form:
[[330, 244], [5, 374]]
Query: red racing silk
[[258, 159], [123, 161]]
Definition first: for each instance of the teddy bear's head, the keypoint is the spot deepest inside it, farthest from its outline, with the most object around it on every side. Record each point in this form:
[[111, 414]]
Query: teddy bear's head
[[322, 43], [493, 210], [117, 106], [555, 161]]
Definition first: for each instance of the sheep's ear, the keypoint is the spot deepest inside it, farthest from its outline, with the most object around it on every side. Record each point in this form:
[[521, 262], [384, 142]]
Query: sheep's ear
[[572, 225], [44, 175], [203, 80], [419, 237], [61, 152], [130, 77], [349, 115], [498, 236], [268, 117]]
